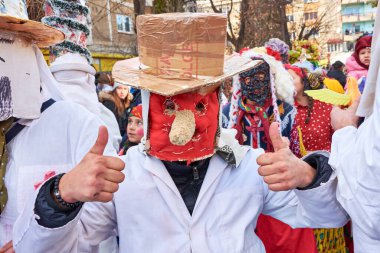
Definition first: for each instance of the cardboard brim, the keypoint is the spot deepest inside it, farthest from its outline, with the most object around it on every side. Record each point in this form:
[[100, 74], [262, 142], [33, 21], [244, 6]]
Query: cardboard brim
[[42, 35], [127, 72]]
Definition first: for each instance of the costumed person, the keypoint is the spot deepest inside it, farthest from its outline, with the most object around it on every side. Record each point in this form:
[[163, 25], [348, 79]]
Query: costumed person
[[205, 189], [118, 101], [255, 105], [135, 130], [70, 65], [355, 156], [313, 131], [358, 63], [70, 60], [257, 101], [44, 136]]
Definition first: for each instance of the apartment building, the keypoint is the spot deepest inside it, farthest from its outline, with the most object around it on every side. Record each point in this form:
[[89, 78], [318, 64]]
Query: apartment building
[[358, 18], [317, 20]]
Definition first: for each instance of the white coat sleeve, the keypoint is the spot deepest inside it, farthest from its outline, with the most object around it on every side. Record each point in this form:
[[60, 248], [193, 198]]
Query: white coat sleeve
[[355, 157], [94, 223], [99, 218], [316, 208]]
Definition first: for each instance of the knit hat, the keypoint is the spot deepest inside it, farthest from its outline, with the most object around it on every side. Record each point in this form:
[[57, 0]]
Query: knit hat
[[296, 70], [363, 42], [73, 19], [311, 80], [116, 84], [136, 112]]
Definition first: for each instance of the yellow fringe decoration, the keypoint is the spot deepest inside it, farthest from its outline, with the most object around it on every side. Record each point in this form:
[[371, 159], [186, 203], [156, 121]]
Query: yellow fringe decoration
[[330, 240], [303, 150]]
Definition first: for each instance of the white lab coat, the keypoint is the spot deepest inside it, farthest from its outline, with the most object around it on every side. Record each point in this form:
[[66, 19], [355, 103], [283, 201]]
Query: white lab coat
[[355, 155], [52, 144], [151, 217]]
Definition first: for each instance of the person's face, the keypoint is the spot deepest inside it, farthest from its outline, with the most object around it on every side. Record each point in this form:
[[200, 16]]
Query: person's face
[[122, 91], [297, 81], [135, 129], [365, 56]]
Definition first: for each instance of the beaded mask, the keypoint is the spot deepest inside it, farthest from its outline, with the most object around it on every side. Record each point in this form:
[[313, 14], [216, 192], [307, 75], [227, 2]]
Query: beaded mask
[[255, 84]]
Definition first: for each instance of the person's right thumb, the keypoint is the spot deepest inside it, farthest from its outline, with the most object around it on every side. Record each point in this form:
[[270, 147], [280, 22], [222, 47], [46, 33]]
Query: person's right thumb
[[101, 141], [355, 104]]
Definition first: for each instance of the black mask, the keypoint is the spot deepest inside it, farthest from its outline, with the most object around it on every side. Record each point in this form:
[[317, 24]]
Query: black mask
[[255, 84]]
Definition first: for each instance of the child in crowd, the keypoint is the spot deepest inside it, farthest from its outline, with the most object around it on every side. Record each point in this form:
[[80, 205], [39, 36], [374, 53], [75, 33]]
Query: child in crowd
[[357, 65], [134, 130]]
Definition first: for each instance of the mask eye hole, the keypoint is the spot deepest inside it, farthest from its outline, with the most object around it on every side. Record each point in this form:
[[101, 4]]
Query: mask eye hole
[[169, 106], [260, 76], [200, 107]]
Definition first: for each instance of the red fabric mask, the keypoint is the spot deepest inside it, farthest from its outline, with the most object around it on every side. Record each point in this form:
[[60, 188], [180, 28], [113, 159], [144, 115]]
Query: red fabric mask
[[183, 127]]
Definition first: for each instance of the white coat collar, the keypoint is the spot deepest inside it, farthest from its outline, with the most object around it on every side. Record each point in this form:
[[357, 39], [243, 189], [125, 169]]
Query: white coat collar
[[168, 188]]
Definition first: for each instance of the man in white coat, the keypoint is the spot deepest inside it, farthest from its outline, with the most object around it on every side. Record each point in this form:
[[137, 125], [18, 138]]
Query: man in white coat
[[188, 187], [355, 156], [44, 135]]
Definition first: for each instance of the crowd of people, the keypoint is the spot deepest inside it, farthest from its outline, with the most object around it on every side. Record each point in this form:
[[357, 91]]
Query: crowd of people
[[265, 156]]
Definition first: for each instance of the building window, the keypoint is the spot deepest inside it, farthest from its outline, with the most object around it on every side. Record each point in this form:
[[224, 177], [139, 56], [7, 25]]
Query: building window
[[335, 47], [124, 24], [290, 18], [311, 15], [310, 1]]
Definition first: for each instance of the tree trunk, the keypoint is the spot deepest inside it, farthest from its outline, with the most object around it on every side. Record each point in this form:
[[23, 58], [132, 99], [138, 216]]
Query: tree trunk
[[260, 21]]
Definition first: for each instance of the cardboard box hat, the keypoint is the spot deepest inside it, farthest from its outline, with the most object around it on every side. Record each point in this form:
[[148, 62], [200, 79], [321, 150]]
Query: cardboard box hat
[[14, 17], [178, 53]]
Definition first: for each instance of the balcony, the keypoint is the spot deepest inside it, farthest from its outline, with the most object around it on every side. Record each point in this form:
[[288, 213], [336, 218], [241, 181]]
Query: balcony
[[358, 17], [352, 37], [346, 2]]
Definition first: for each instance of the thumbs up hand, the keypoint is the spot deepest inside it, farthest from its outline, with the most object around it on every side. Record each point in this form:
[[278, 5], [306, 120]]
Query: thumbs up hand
[[96, 177], [282, 170]]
